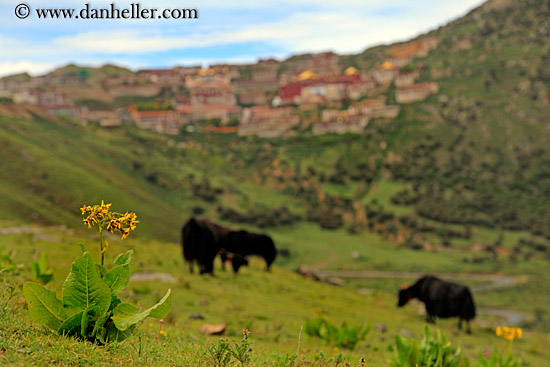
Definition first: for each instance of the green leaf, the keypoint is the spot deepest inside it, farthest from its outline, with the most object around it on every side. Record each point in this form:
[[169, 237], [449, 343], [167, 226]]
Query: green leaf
[[101, 270], [82, 248], [80, 324], [35, 270], [99, 324], [72, 325], [163, 306], [89, 318], [43, 264], [100, 335], [44, 306], [41, 270], [117, 278], [84, 287], [126, 315], [114, 334], [115, 301], [125, 258]]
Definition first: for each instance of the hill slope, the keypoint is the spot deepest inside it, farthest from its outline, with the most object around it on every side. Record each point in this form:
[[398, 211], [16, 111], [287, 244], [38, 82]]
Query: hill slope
[[273, 306], [477, 152]]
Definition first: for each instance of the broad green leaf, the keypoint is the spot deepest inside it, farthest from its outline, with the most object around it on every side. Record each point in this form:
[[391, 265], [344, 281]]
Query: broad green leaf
[[125, 258], [126, 315], [44, 306], [101, 270], [89, 318], [80, 324], [401, 348], [82, 248], [84, 287], [99, 324], [43, 264], [114, 334], [100, 336], [41, 270], [115, 301], [117, 278], [35, 270], [162, 307], [72, 325]]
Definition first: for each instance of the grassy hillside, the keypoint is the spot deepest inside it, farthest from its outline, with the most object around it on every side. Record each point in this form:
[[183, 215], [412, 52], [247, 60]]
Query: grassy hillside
[[272, 306], [50, 167], [477, 152], [458, 185]]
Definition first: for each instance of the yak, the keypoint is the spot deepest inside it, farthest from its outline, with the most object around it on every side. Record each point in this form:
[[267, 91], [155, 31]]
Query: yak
[[246, 243], [442, 299], [201, 242]]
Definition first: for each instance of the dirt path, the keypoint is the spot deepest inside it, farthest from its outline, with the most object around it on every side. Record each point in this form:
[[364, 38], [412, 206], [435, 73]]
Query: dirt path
[[494, 281], [29, 229]]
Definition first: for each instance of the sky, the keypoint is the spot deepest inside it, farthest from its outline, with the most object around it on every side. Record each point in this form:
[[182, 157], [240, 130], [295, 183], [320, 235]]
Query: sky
[[225, 31]]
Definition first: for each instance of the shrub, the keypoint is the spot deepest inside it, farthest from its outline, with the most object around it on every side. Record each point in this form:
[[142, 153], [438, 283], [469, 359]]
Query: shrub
[[89, 307], [430, 352], [496, 360], [223, 353], [344, 337], [41, 270]]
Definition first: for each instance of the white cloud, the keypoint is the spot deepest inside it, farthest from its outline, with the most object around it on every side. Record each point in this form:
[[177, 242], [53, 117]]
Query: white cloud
[[33, 68], [343, 26], [300, 32]]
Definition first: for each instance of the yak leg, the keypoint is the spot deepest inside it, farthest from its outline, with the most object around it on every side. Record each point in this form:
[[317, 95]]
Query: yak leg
[[430, 314], [190, 264], [460, 324], [209, 267], [468, 328], [223, 258]]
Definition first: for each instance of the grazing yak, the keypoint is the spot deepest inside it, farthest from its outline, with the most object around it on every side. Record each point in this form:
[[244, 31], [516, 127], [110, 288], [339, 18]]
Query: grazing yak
[[442, 299], [202, 240], [245, 244]]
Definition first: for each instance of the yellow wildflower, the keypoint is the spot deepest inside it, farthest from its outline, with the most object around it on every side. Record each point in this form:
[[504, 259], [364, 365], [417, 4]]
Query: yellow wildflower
[[162, 332], [509, 333], [111, 221]]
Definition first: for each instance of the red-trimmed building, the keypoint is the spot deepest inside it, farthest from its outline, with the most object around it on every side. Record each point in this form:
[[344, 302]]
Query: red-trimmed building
[[416, 92], [161, 121]]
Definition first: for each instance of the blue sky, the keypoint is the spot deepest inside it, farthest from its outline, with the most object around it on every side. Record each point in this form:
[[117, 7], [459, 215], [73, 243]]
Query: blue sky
[[226, 31]]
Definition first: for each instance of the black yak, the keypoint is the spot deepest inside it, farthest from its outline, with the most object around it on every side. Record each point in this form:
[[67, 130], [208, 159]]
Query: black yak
[[442, 299], [201, 242], [245, 243]]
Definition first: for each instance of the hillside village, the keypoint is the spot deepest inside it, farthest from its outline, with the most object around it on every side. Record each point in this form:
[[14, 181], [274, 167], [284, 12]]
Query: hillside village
[[268, 99]]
